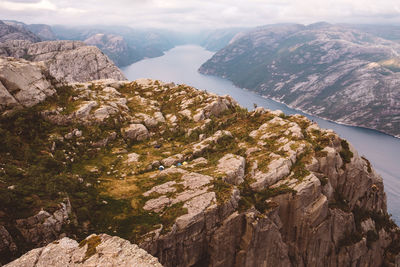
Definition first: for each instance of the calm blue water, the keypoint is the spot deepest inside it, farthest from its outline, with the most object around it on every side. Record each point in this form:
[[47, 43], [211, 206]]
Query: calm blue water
[[180, 65]]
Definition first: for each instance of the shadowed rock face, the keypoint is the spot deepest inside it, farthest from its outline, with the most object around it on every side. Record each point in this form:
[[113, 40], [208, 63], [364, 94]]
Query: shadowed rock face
[[238, 188], [327, 70], [68, 61]]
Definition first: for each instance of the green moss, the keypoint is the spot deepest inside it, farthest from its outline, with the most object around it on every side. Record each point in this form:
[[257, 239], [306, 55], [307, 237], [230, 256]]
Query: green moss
[[170, 214], [369, 168], [299, 167], [321, 154], [345, 153], [92, 244], [258, 199], [222, 189]]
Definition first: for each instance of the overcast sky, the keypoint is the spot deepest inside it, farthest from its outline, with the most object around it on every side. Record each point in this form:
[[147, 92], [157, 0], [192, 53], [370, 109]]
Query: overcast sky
[[195, 14]]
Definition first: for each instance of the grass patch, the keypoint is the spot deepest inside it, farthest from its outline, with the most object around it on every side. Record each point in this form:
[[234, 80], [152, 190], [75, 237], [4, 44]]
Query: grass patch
[[170, 214], [345, 153], [369, 168], [92, 244], [222, 190], [250, 197]]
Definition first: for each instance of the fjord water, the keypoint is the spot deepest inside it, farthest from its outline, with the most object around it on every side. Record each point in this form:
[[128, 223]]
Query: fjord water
[[180, 65]]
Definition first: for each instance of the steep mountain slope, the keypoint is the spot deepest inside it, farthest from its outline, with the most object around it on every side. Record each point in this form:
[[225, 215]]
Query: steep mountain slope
[[327, 70], [88, 160], [9, 32], [68, 61], [389, 32], [218, 39], [43, 31], [115, 47]]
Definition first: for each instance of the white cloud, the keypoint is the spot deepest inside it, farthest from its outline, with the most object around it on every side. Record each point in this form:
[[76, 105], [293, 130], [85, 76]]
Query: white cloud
[[24, 5], [194, 14]]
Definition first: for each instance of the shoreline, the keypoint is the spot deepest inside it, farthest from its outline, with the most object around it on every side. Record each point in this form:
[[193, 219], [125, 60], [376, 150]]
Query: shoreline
[[324, 118], [307, 113]]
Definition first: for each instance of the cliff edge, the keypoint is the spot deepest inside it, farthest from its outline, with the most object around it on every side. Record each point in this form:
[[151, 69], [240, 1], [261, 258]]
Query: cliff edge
[[191, 177]]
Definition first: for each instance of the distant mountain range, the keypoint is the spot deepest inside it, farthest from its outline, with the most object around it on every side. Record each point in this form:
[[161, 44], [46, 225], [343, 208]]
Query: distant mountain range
[[43, 31], [16, 32], [333, 71], [123, 45]]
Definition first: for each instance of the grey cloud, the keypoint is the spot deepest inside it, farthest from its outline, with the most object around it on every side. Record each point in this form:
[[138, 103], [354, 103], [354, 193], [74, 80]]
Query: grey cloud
[[24, 1], [195, 14]]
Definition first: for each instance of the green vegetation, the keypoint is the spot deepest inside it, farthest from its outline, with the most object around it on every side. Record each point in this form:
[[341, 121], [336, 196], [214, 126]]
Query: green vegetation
[[92, 244], [345, 153], [258, 199], [44, 162], [299, 169], [369, 168], [222, 189]]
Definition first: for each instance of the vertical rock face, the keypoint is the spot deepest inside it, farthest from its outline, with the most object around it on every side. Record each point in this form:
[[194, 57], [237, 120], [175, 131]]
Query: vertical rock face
[[35, 231], [68, 61], [95, 250], [301, 230]]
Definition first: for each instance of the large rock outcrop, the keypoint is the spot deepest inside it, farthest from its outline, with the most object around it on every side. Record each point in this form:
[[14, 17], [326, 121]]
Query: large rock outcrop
[[95, 250], [22, 84], [227, 188], [67, 61]]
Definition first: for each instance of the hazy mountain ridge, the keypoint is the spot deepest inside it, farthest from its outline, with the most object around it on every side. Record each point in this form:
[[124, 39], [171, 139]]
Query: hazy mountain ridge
[[218, 39], [123, 45], [389, 32], [43, 31], [10, 32], [327, 70]]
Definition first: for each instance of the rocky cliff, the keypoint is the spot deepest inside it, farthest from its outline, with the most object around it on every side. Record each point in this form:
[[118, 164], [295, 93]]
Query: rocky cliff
[[67, 61], [218, 39], [191, 177], [116, 47], [331, 71]]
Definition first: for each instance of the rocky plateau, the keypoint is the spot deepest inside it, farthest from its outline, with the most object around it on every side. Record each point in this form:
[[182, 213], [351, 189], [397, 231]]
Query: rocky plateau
[[190, 177]]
